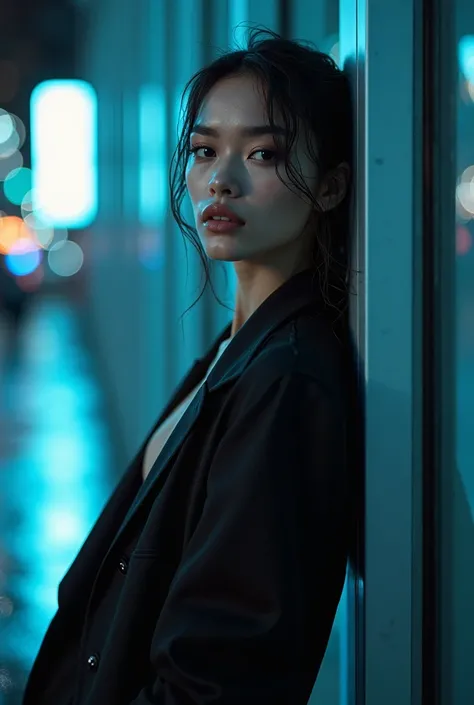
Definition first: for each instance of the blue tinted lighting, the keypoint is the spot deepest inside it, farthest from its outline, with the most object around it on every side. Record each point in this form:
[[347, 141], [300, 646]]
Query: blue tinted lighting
[[64, 152], [153, 178], [466, 56], [24, 263]]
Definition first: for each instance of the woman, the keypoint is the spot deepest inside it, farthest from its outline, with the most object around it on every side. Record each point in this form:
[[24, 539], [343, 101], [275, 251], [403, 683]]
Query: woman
[[214, 572]]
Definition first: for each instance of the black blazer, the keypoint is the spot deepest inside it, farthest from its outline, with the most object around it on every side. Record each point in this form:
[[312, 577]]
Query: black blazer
[[217, 580]]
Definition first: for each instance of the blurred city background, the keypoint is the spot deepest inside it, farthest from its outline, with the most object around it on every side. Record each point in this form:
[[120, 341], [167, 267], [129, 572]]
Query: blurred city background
[[94, 273]]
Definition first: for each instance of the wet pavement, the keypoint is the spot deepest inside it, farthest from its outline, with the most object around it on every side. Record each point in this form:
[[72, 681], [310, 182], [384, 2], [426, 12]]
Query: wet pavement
[[56, 473]]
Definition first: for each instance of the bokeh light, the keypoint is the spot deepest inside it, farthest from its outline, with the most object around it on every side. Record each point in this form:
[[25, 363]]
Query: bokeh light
[[470, 89], [62, 527], [46, 236], [12, 134], [66, 258], [64, 152], [466, 56], [20, 128], [17, 185], [463, 240], [152, 202], [26, 205], [60, 235], [23, 258], [44, 233], [468, 174], [465, 194], [8, 164], [7, 126], [13, 229], [10, 146]]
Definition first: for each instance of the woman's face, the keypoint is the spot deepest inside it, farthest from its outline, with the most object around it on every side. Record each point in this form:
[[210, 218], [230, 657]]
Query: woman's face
[[234, 167]]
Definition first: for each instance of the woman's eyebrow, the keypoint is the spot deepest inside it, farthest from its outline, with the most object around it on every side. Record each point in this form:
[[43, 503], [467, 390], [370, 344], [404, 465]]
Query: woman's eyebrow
[[253, 131]]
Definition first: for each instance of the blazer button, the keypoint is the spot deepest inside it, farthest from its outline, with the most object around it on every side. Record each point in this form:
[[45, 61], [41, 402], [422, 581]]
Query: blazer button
[[93, 662], [123, 566]]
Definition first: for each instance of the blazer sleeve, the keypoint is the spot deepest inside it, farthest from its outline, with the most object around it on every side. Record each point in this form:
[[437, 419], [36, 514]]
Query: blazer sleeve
[[249, 612]]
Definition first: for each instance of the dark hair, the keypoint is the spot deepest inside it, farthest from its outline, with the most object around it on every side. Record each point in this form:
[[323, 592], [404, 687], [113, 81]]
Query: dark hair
[[303, 84]]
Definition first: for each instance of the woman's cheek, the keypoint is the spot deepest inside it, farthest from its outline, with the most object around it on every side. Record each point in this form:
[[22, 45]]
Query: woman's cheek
[[271, 193]]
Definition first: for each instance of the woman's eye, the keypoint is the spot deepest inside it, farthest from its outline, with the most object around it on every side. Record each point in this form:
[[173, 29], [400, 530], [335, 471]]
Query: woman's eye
[[269, 155], [195, 150]]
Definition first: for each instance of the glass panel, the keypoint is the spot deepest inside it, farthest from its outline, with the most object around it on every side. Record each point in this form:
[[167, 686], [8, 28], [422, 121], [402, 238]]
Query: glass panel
[[380, 45], [457, 482]]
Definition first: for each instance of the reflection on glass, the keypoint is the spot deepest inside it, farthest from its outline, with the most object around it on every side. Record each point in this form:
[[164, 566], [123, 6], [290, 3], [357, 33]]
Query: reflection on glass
[[457, 526]]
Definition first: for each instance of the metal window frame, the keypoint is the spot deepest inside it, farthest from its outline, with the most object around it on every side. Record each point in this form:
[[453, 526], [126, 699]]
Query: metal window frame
[[440, 470], [381, 48]]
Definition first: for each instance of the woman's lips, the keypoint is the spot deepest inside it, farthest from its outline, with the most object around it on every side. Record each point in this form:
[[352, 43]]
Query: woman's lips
[[221, 226]]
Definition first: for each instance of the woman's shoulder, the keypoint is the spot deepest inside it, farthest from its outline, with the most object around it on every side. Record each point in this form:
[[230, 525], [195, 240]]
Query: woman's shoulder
[[302, 350]]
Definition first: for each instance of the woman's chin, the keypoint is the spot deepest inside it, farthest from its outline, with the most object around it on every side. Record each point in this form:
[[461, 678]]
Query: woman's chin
[[220, 252]]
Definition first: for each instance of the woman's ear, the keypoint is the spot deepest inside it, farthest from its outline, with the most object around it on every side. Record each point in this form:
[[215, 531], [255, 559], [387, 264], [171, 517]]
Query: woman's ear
[[334, 187]]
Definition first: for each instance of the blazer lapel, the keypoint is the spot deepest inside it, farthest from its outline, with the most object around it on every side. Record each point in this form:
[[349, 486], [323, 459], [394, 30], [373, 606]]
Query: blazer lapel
[[183, 427], [158, 472], [191, 380]]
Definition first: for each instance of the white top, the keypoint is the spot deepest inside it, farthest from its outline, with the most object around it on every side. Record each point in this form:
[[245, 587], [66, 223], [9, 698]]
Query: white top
[[163, 432]]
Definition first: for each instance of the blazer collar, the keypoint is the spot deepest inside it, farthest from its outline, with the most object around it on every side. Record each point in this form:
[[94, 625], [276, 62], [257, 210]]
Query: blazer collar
[[297, 293]]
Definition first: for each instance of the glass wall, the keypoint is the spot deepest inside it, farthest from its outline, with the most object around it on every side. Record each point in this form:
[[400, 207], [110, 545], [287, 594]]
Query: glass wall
[[381, 47], [455, 481]]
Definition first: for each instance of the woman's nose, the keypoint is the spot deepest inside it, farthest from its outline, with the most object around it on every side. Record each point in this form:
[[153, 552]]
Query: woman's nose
[[223, 185]]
